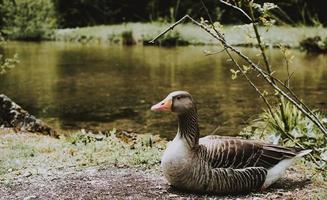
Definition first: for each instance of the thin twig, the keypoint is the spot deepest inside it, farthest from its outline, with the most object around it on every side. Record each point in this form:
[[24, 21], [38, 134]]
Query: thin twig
[[169, 28], [238, 66], [248, 79], [266, 77], [298, 100], [207, 53], [252, 84], [321, 126], [215, 131], [237, 8], [285, 15], [258, 37], [268, 66]]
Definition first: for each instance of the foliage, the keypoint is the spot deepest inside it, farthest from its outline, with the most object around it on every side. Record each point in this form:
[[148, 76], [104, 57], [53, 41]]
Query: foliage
[[314, 44], [27, 19], [298, 132], [98, 12], [7, 63], [287, 123]]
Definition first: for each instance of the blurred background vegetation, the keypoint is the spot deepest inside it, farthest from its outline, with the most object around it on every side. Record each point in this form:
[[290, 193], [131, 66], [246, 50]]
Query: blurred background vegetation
[[35, 19]]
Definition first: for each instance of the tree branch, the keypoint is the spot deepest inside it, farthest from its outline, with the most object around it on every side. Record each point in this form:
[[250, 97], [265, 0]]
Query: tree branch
[[237, 8], [267, 77], [171, 27], [268, 67]]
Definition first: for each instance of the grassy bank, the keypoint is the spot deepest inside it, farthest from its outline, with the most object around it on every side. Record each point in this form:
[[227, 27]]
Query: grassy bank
[[26, 154], [113, 164], [142, 32]]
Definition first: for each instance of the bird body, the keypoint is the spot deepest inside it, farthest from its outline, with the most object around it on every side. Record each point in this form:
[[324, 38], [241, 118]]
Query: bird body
[[218, 164]]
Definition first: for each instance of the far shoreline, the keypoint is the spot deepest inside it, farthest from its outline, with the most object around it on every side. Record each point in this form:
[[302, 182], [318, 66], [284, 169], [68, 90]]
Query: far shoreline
[[186, 34]]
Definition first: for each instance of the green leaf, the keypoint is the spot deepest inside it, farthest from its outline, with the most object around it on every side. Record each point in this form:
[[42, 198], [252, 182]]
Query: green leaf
[[246, 68], [234, 73], [324, 156]]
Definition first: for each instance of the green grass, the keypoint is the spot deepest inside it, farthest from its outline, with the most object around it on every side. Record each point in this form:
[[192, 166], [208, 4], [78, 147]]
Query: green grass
[[32, 153], [236, 35], [26, 154]]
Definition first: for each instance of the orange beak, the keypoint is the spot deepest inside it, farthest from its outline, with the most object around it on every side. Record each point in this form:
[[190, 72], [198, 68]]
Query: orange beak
[[164, 105]]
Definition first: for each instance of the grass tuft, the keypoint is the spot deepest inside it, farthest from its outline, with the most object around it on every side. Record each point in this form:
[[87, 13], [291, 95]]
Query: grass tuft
[[298, 131]]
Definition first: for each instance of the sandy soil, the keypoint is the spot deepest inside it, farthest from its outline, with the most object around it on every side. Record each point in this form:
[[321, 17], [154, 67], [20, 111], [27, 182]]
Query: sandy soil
[[129, 183]]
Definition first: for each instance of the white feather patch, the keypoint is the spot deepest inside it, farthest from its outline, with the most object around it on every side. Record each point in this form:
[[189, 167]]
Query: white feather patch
[[278, 170]]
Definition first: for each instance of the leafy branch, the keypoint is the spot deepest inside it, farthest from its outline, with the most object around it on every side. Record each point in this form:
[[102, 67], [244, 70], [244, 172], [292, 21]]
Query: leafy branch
[[266, 76]]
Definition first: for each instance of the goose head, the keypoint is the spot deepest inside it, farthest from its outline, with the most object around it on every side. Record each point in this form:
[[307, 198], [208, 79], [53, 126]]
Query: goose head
[[180, 102]]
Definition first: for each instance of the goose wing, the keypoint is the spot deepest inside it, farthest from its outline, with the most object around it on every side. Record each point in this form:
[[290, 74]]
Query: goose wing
[[229, 152], [227, 180]]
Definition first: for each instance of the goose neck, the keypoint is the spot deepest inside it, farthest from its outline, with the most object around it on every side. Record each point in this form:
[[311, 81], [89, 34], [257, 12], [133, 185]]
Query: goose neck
[[188, 127]]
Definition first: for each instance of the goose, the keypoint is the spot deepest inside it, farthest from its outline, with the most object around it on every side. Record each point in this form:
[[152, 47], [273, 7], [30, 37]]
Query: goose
[[218, 164]]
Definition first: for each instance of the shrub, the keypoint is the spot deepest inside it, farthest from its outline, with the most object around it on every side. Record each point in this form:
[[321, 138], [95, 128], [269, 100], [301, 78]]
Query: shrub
[[299, 131], [314, 44], [173, 39], [127, 38], [27, 19]]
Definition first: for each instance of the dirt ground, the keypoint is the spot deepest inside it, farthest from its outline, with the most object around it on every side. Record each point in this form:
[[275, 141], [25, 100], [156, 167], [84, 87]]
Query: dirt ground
[[130, 183]]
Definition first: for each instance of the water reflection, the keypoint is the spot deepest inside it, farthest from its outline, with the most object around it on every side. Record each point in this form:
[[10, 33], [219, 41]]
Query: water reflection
[[74, 86]]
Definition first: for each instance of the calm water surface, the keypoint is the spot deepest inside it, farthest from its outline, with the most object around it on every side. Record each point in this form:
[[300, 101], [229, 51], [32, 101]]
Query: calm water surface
[[74, 86]]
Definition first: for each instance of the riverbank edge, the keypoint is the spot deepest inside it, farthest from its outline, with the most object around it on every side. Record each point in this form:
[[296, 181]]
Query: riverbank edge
[[33, 158], [187, 34]]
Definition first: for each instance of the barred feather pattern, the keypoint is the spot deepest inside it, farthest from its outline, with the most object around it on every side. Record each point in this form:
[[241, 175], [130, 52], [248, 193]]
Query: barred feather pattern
[[188, 127], [201, 177], [217, 164], [223, 152]]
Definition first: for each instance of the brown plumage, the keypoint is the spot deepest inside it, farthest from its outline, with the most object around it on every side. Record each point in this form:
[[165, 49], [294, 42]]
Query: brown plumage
[[218, 164], [240, 153]]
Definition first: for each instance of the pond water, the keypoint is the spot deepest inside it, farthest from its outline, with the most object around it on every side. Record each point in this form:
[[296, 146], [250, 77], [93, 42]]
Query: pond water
[[73, 86]]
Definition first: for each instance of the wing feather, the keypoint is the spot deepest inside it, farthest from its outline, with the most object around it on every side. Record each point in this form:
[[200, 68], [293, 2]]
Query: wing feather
[[237, 153]]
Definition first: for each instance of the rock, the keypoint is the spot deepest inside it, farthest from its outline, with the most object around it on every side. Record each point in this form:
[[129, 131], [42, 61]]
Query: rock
[[30, 197], [12, 115], [27, 174], [158, 187]]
